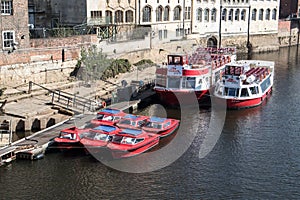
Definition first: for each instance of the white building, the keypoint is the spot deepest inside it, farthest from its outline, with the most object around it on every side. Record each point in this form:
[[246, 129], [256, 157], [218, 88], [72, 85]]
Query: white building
[[216, 19]]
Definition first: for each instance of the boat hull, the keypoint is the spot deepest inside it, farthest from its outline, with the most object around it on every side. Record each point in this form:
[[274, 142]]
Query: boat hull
[[236, 104], [172, 97]]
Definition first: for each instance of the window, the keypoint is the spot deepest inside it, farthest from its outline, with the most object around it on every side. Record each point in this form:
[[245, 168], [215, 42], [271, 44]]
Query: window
[[8, 39], [165, 33], [119, 16], [254, 90], [147, 14], [244, 92], [160, 32], [96, 14], [230, 15], [243, 15], [199, 15], [254, 14], [187, 13], [177, 13], [173, 82], [6, 7], [206, 15], [237, 15], [108, 16], [268, 11], [167, 13], [213, 15], [224, 15], [261, 14], [274, 13], [159, 12], [129, 16]]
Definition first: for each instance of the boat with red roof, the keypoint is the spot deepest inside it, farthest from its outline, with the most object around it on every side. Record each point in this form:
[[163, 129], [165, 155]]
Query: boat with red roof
[[161, 126], [196, 73], [98, 137], [69, 138], [132, 142], [245, 83], [108, 116], [132, 121]]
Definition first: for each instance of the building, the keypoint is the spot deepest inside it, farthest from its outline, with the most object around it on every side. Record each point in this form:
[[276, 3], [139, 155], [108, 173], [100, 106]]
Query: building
[[288, 8], [216, 20], [14, 25]]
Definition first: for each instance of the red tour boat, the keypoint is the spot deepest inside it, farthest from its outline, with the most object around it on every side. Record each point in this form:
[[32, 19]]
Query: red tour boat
[[98, 137], [108, 116], [132, 121], [162, 126], [70, 137], [195, 73], [132, 142], [245, 83]]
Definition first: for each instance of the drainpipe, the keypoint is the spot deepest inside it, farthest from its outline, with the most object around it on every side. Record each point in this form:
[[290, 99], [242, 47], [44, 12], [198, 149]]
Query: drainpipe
[[183, 13], [248, 32], [220, 28]]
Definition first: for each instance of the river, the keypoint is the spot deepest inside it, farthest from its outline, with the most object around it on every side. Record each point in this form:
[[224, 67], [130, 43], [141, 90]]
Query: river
[[257, 156]]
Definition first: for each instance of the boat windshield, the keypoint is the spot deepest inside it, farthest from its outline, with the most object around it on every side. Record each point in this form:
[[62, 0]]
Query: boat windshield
[[66, 135], [101, 136], [131, 141], [153, 125]]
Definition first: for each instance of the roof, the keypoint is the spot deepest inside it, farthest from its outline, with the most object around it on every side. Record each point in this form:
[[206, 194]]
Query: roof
[[105, 128], [157, 119], [133, 117], [111, 111], [133, 132]]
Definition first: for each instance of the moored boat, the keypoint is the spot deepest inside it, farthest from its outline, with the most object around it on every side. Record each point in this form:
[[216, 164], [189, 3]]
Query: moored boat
[[132, 121], [108, 116], [132, 142], [69, 138], [245, 83], [161, 126], [191, 74], [98, 137]]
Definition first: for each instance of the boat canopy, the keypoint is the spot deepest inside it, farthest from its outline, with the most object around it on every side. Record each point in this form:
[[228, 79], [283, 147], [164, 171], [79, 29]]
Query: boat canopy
[[109, 110], [133, 132], [105, 128], [157, 119]]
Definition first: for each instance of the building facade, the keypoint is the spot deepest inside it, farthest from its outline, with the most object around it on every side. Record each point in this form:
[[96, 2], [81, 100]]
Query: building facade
[[14, 25]]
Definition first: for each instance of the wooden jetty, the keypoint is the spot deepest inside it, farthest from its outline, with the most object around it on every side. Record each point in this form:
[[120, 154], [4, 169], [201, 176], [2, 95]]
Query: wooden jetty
[[33, 147]]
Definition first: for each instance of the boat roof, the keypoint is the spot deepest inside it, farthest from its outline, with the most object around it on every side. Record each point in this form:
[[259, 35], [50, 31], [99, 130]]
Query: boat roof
[[157, 119], [105, 128], [111, 111], [133, 132], [133, 117]]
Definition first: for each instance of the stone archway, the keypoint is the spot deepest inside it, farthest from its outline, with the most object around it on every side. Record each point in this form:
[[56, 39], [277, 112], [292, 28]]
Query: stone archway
[[212, 42], [50, 122], [36, 125]]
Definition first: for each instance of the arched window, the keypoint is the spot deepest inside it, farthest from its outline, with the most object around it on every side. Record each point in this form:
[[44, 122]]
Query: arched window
[[243, 15], [261, 14], [167, 13], [108, 17], [159, 13], [206, 15], [147, 14], [213, 15], [129, 16], [177, 13], [230, 15], [224, 14], [237, 15], [254, 14], [268, 11], [199, 15], [119, 16], [274, 13]]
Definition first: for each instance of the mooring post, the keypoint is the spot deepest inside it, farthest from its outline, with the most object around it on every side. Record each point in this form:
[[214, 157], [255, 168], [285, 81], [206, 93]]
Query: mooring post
[[30, 87], [53, 97]]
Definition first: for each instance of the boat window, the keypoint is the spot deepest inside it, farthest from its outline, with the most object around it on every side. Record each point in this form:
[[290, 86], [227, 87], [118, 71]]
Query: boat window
[[188, 82], [174, 82], [156, 126], [220, 91], [107, 118], [100, 116], [125, 121], [233, 92], [139, 140], [141, 123], [161, 80], [264, 85], [244, 92], [133, 123], [167, 124], [117, 139], [102, 137], [67, 135], [238, 71], [128, 140], [254, 90], [117, 118]]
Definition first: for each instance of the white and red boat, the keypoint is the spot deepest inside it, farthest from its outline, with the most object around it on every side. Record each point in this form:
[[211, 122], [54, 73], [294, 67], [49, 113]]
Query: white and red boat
[[195, 73], [108, 116], [69, 138], [161, 126], [132, 142], [245, 83], [98, 137], [132, 121]]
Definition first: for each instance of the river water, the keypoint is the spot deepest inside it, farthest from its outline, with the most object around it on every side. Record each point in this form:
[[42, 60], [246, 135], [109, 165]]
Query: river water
[[257, 156]]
